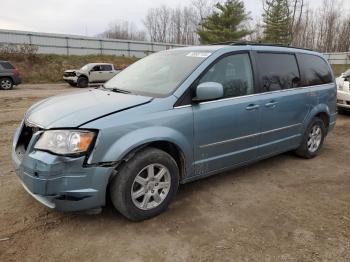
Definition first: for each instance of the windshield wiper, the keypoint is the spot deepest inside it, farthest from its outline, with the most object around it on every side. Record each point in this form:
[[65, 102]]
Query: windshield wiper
[[117, 90]]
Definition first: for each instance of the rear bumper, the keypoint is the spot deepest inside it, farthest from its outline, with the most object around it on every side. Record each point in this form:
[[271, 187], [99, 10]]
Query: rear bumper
[[343, 99], [61, 183], [17, 80]]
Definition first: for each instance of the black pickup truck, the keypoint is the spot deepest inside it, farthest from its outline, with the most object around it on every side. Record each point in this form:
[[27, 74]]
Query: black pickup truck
[[9, 76]]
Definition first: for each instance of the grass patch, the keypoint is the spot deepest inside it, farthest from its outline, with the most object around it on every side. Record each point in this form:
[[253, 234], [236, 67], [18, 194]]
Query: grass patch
[[49, 68], [338, 69]]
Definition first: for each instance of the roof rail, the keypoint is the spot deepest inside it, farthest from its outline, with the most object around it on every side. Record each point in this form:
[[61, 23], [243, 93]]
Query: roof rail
[[233, 43]]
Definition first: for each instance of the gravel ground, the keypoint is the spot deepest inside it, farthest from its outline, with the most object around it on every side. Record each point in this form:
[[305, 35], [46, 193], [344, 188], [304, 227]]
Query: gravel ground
[[281, 209]]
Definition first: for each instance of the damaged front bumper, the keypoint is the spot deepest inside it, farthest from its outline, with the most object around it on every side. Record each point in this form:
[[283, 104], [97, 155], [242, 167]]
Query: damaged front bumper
[[62, 183], [71, 79]]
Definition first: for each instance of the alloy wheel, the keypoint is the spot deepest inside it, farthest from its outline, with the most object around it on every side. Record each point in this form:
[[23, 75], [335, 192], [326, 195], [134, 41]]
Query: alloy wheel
[[6, 84], [151, 186], [314, 139]]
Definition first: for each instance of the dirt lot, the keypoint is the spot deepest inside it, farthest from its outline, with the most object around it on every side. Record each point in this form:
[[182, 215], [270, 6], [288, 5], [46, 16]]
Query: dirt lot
[[281, 209]]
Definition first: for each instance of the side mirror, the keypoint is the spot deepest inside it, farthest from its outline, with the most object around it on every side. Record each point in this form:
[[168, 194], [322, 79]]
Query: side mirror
[[208, 91]]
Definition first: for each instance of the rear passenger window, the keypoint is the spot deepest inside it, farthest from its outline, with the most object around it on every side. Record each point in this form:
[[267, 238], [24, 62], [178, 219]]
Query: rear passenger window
[[316, 70], [6, 65], [106, 68], [278, 71], [234, 72]]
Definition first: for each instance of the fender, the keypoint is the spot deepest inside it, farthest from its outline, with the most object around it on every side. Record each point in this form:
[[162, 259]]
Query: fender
[[320, 108], [127, 143]]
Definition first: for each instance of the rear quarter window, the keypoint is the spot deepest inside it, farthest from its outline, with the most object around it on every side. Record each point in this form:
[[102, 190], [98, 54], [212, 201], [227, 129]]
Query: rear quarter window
[[315, 70], [6, 65]]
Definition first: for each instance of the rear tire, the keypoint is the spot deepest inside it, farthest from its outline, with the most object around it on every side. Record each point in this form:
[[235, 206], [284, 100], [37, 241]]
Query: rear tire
[[6, 83], [145, 185], [313, 139], [82, 82], [73, 84]]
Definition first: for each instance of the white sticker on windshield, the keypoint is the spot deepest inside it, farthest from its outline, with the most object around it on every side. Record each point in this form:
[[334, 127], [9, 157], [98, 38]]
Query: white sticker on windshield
[[199, 54]]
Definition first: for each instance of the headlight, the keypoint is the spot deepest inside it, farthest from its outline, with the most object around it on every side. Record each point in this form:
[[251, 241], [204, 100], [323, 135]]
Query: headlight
[[65, 142]]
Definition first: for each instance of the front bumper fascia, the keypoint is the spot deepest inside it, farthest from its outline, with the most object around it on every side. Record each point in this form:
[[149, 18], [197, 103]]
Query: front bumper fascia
[[62, 183], [343, 99], [71, 79]]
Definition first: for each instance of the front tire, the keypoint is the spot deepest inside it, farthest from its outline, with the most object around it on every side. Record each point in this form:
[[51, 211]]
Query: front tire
[[82, 82], [145, 185], [313, 139], [6, 83]]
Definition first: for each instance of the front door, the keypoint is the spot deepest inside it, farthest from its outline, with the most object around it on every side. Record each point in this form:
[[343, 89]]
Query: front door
[[227, 129], [96, 74]]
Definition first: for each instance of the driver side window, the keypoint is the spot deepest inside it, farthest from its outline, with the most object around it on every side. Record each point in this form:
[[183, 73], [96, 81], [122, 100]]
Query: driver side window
[[234, 72], [96, 68]]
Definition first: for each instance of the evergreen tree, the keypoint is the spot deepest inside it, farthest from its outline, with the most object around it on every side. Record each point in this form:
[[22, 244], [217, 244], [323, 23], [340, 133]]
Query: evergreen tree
[[227, 23], [277, 22]]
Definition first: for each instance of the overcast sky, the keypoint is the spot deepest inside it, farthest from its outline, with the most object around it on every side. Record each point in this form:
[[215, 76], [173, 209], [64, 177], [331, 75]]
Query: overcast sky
[[85, 17]]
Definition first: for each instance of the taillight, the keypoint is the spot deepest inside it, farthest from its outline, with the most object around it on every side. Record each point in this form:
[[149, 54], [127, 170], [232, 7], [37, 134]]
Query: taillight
[[16, 71]]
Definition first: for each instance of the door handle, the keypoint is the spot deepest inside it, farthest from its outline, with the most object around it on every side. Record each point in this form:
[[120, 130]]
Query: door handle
[[252, 107], [271, 104], [100, 72]]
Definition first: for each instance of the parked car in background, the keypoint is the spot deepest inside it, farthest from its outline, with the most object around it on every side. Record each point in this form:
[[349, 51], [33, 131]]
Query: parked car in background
[[94, 73], [343, 95], [173, 117], [9, 75]]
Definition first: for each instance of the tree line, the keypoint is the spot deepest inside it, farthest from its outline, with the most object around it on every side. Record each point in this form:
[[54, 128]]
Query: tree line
[[289, 22]]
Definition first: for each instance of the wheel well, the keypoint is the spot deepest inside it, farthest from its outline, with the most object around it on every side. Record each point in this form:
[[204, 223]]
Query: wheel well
[[84, 76], [175, 152], [6, 77], [325, 118]]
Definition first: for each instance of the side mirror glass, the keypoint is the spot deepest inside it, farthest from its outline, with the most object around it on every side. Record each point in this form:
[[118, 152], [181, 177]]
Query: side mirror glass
[[208, 91]]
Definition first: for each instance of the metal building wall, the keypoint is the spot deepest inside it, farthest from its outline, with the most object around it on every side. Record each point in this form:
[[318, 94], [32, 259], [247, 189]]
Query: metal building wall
[[80, 45], [338, 58]]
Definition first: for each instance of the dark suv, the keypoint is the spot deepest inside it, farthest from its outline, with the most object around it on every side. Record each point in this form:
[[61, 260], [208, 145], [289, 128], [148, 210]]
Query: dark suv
[[9, 76]]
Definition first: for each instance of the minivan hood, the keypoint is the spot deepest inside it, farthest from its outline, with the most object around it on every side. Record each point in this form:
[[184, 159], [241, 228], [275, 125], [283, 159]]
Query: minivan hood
[[75, 109]]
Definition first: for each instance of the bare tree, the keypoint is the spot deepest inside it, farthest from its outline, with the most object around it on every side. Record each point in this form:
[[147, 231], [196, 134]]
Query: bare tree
[[157, 23], [123, 30], [325, 29], [296, 10], [257, 29], [176, 25], [203, 8]]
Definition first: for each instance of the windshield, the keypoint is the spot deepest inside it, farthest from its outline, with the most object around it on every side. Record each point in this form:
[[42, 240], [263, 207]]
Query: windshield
[[159, 74], [85, 67]]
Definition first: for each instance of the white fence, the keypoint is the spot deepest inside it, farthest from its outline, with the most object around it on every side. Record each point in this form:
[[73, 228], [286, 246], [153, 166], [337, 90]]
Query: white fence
[[338, 58], [80, 45]]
